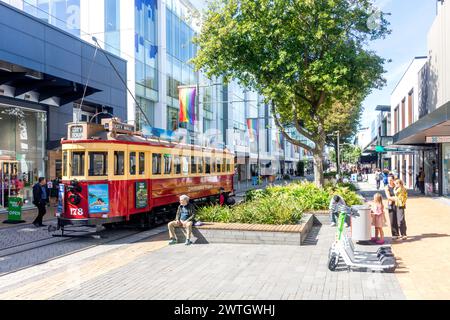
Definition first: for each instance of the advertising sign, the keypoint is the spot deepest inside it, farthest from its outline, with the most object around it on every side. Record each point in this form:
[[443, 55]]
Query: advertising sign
[[15, 209], [98, 198], [141, 195], [61, 190]]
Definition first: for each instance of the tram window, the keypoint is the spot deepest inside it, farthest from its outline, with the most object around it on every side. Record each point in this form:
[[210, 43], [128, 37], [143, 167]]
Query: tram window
[[207, 165], [156, 163], [133, 163], [98, 164], [219, 165], [194, 164], [119, 163], [167, 164], [141, 163], [64, 164], [199, 164], [228, 165], [177, 164], [78, 164], [185, 163], [213, 165]]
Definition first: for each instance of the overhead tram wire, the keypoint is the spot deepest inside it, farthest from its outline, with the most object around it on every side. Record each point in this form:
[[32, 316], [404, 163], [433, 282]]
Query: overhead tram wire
[[122, 54]]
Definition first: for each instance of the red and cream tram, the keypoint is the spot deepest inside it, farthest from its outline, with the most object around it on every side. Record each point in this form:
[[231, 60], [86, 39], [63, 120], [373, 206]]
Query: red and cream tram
[[112, 174]]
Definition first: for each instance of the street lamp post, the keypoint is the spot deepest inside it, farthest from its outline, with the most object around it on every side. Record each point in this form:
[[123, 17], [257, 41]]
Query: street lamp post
[[338, 152]]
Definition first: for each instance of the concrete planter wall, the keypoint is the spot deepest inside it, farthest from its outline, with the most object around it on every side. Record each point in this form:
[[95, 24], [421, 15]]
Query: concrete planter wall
[[251, 233]]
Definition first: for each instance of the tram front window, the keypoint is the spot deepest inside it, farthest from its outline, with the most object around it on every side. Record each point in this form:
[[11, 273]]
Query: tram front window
[[98, 164], [77, 164]]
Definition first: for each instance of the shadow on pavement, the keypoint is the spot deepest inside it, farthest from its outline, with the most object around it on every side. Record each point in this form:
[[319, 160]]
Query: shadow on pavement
[[420, 237]]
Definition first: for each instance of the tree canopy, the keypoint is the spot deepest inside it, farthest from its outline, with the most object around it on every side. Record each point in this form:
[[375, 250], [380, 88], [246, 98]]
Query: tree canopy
[[308, 58]]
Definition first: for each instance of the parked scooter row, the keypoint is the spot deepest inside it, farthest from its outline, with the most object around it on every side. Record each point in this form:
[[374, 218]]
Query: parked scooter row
[[343, 249]]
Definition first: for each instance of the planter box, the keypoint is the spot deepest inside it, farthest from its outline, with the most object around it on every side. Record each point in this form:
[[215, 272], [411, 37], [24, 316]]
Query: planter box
[[251, 233]]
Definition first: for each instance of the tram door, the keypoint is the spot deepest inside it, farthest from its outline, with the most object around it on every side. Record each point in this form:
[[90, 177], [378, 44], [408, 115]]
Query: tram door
[[9, 181]]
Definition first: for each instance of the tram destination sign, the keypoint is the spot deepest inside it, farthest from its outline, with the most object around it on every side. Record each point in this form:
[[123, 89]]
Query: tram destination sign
[[119, 127], [76, 132], [438, 139]]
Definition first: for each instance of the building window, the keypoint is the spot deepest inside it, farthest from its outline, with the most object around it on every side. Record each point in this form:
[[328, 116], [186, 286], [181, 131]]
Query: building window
[[172, 118], [396, 120], [403, 114], [410, 107]]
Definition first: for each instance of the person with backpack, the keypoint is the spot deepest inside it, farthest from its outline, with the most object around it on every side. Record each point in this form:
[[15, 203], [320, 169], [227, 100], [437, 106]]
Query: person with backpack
[[385, 177], [378, 177]]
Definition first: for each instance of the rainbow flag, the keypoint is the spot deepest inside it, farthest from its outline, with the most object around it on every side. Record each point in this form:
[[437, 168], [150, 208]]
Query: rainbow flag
[[252, 125], [187, 104]]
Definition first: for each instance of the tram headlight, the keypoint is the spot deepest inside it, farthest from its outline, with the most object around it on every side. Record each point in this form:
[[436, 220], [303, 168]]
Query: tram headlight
[[74, 199]]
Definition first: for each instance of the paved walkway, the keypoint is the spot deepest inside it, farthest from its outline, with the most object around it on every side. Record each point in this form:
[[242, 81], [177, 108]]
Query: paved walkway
[[150, 269], [425, 257]]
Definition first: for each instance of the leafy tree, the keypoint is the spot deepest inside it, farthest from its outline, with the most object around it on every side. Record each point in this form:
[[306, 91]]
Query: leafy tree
[[306, 57]]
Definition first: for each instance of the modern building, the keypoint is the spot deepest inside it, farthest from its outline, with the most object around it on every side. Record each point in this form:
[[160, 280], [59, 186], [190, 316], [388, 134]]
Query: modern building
[[405, 111], [155, 37], [428, 128], [47, 75]]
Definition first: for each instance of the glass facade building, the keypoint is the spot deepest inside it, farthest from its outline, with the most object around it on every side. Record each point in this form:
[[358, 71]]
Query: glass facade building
[[155, 37]]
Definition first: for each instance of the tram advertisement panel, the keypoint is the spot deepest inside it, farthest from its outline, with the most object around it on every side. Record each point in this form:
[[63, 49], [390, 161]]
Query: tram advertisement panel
[[61, 192], [98, 198], [141, 195]]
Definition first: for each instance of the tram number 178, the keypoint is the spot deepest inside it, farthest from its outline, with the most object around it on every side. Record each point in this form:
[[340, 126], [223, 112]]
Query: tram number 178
[[76, 211]]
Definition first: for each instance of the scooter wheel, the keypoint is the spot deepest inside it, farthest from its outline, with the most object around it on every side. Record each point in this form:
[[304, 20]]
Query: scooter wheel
[[333, 262]]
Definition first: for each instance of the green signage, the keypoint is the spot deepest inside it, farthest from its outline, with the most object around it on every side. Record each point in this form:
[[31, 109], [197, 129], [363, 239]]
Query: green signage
[[380, 149], [15, 210], [141, 195]]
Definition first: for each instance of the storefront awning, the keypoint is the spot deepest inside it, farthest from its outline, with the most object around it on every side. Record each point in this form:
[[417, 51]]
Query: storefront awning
[[49, 89], [436, 123]]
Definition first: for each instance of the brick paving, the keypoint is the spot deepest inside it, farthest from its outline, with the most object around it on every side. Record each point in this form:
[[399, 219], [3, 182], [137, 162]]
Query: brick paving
[[424, 259], [151, 269]]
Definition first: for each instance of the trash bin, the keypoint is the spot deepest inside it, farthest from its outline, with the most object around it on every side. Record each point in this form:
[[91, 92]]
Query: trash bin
[[361, 223]]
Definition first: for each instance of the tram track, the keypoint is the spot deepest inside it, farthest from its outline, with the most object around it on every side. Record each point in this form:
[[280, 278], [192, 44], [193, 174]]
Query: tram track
[[106, 241]]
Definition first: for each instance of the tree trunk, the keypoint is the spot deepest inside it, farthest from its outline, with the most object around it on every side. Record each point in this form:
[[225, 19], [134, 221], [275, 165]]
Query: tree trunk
[[318, 169]]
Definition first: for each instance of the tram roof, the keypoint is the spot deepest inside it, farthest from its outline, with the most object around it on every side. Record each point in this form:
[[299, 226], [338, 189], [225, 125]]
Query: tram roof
[[104, 137]]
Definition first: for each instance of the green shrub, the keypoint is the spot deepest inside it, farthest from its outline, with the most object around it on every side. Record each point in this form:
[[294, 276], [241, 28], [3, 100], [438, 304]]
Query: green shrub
[[281, 204]]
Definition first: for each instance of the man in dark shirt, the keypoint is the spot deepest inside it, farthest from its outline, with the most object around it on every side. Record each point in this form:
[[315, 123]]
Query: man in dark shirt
[[184, 218], [40, 200]]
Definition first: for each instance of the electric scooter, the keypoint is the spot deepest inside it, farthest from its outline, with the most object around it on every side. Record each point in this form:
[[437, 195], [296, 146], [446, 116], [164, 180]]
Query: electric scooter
[[343, 249]]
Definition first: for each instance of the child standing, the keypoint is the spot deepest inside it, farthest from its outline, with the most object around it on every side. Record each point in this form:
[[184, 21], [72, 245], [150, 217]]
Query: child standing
[[378, 218]]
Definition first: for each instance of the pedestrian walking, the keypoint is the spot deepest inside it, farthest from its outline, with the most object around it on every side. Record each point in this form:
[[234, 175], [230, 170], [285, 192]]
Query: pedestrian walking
[[392, 208], [401, 195], [184, 218], [385, 177], [378, 177], [40, 200], [422, 181]]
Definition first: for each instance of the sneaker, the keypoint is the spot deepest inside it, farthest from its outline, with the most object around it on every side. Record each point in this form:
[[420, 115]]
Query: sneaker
[[395, 237], [333, 224], [373, 239], [173, 241], [188, 242], [36, 224], [404, 238]]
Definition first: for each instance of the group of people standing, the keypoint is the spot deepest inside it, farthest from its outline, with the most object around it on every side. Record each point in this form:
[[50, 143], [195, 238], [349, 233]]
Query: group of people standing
[[396, 195]]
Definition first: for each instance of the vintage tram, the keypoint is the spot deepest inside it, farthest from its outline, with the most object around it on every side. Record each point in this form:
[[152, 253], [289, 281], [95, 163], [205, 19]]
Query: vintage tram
[[112, 174]]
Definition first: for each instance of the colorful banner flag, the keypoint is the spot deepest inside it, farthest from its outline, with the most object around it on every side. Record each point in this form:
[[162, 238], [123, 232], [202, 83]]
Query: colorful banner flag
[[187, 104], [252, 125]]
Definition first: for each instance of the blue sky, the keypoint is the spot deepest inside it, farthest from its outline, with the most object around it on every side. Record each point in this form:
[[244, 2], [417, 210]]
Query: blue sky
[[410, 21]]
